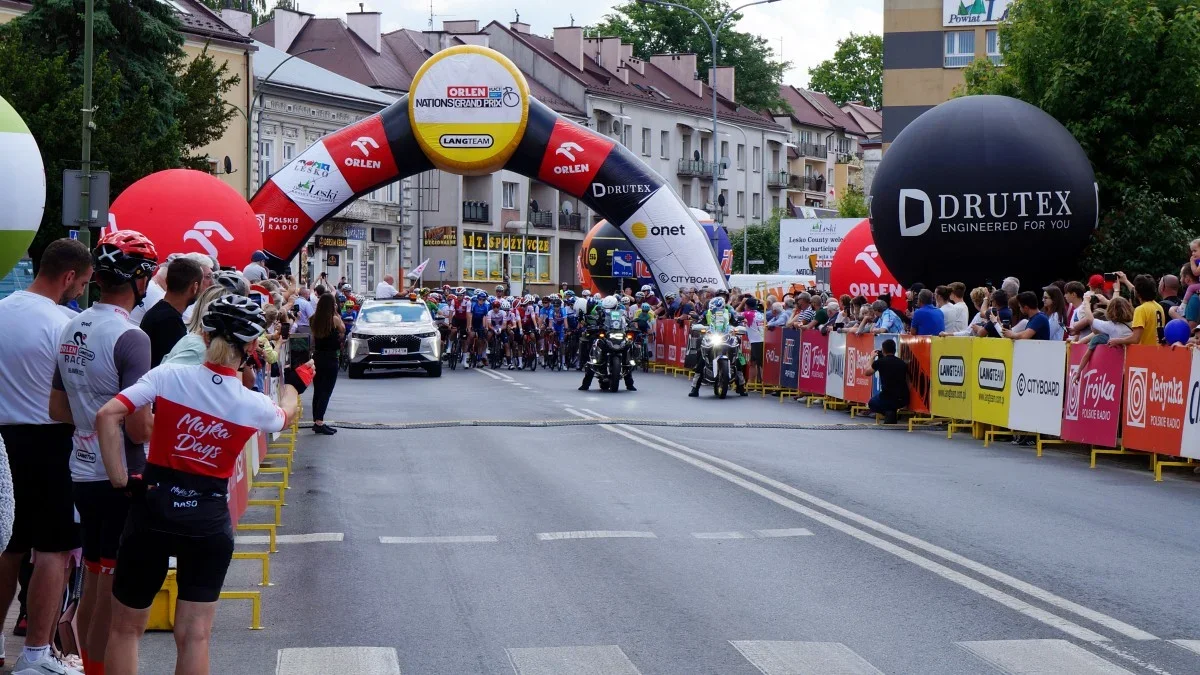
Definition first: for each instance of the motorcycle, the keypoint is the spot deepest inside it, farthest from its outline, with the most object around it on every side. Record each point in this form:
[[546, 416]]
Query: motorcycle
[[611, 358], [720, 348]]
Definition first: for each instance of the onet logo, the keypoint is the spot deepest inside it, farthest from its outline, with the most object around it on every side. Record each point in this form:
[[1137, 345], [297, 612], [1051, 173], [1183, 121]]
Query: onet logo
[[917, 229], [363, 142]]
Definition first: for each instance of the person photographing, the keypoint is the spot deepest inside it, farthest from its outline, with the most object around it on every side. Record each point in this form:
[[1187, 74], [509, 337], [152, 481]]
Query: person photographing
[[893, 382]]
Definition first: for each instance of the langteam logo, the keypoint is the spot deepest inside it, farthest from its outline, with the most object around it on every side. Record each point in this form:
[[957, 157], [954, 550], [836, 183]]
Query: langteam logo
[[992, 374], [952, 370], [466, 141]]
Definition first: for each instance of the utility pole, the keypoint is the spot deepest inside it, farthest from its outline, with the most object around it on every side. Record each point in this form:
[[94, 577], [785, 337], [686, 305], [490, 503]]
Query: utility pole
[[85, 179]]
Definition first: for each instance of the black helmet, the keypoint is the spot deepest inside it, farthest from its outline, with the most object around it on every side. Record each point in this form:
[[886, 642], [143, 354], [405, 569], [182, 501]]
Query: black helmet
[[233, 282], [236, 318]]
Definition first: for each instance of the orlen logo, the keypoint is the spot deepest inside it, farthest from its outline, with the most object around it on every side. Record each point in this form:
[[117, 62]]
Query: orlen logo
[[202, 232], [466, 92], [992, 374], [363, 163], [952, 370]]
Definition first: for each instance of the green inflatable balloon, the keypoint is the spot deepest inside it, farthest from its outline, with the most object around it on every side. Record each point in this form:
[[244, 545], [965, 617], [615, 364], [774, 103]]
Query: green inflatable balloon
[[22, 187]]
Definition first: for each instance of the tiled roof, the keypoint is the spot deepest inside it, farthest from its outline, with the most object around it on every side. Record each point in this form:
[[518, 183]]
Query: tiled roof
[[648, 88], [841, 120], [349, 57], [870, 114], [301, 74], [814, 109]]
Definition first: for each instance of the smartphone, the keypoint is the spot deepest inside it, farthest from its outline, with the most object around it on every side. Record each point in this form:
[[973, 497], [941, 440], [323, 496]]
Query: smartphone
[[1006, 323], [1110, 276]]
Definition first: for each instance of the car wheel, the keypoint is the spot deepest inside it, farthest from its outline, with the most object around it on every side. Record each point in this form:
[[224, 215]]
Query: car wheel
[[434, 369]]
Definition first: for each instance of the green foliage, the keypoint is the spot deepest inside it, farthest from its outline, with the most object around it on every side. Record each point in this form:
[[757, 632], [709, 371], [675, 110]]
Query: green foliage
[[1129, 94], [762, 243], [855, 73], [153, 108], [853, 203], [655, 29]]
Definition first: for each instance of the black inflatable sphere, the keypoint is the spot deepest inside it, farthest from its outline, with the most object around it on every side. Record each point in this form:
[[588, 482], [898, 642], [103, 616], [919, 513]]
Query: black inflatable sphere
[[980, 188]]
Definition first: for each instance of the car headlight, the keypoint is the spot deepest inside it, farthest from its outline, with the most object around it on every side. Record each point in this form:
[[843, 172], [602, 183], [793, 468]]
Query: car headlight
[[358, 345], [426, 335]]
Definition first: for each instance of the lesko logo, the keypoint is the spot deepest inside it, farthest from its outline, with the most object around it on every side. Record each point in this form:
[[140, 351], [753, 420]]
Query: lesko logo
[[468, 107]]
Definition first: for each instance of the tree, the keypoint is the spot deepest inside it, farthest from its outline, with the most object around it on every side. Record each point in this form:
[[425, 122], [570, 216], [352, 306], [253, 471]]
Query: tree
[[1129, 99], [153, 108], [853, 203], [855, 73], [762, 243], [655, 29]]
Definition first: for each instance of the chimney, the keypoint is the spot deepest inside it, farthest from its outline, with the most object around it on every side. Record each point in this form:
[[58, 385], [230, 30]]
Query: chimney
[[631, 62], [607, 52], [237, 20], [568, 43], [723, 81], [288, 24], [365, 25], [681, 68], [519, 27], [463, 26]]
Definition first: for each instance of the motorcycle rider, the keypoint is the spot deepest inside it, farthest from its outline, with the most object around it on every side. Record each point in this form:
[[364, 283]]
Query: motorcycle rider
[[717, 307], [588, 319], [594, 321]]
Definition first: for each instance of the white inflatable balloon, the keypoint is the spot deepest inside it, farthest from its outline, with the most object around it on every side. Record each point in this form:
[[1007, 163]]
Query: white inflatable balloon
[[22, 187]]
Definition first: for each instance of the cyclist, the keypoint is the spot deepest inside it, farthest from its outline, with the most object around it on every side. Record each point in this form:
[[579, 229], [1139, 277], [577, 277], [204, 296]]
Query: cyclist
[[117, 356], [203, 419], [643, 321], [530, 323], [558, 324], [478, 311], [497, 321], [441, 318], [512, 334], [458, 319]]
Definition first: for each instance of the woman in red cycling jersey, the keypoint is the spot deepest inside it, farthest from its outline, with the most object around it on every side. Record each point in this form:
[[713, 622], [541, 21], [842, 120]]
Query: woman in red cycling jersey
[[203, 418]]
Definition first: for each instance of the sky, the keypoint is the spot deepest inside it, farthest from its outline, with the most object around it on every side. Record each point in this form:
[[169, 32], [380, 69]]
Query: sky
[[809, 29]]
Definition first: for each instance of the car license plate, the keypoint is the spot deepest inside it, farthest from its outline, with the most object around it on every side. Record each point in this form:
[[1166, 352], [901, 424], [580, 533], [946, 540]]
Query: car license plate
[[394, 351]]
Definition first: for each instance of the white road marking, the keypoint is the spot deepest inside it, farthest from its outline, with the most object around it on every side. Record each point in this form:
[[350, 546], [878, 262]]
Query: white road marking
[[598, 660], [596, 534], [1037, 657], [357, 660], [791, 532], [947, 573], [311, 538], [719, 535], [1190, 645], [451, 539], [482, 371], [803, 658]]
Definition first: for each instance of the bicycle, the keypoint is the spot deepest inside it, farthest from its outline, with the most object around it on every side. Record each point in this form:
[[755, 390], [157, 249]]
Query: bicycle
[[453, 353], [553, 350], [570, 350], [495, 350], [529, 351]]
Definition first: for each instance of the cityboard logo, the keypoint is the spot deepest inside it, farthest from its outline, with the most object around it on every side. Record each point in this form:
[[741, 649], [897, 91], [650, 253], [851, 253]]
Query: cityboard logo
[[1135, 400], [952, 370], [466, 141], [640, 230], [992, 374], [957, 212], [1040, 387], [665, 278]]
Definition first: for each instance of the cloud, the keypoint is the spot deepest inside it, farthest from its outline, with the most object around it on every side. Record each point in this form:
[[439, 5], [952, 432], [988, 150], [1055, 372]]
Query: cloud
[[809, 29]]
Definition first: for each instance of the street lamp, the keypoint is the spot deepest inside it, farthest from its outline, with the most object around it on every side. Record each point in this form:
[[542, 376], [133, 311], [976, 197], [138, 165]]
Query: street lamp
[[713, 86], [258, 99]]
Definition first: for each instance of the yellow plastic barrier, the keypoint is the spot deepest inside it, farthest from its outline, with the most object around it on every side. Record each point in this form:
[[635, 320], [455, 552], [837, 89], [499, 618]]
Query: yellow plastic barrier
[[162, 610]]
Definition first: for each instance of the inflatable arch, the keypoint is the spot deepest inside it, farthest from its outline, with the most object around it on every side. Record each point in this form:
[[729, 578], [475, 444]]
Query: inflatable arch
[[469, 112]]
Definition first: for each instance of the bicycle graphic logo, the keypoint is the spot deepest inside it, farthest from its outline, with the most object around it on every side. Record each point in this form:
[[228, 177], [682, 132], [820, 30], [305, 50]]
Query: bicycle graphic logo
[[507, 96]]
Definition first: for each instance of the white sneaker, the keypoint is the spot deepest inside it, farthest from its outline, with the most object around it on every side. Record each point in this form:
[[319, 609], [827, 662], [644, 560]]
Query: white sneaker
[[47, 665]]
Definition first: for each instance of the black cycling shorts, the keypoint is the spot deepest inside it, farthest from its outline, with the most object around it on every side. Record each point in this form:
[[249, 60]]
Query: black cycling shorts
[[200, 563], [103, 510], [459, 322], [39, 456]]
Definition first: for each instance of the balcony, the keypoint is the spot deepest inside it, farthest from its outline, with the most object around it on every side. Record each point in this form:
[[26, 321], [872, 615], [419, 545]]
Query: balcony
[[812, 150], [570, 222], [814, 184], [777, 179], [542, 219], [697, 168], [853, 159], [476, 212]]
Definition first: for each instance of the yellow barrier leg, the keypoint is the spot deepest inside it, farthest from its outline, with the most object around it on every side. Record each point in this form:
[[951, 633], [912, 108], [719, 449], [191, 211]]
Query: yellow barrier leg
[[269, 528], [278, 505], [261, 556], [285, 456], [280, 470], [255, 598]]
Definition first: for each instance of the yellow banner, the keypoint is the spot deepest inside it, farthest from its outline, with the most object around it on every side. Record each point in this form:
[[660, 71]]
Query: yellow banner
[[992, 362], [953, 378]]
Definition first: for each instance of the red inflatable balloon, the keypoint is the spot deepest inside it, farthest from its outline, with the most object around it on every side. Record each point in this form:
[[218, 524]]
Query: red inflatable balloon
[[857, 269], [186, 211]]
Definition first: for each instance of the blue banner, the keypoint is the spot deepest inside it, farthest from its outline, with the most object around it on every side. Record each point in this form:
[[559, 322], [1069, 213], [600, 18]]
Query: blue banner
[[789, 369]]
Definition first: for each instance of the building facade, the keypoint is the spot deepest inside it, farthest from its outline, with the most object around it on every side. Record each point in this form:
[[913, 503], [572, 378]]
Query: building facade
[[824, 149], [926, 44]]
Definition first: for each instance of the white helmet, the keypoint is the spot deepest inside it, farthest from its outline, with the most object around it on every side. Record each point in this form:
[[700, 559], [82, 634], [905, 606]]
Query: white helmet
[[609, 303], [647, 289], [716, 304], [505, 305], [625, 299], [586, 293]]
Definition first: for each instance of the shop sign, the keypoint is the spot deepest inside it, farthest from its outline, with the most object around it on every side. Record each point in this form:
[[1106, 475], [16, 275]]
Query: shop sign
[[446, 235]]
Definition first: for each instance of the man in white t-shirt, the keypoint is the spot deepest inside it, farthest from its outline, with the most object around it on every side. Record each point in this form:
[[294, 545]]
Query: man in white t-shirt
[[39, 450], [384, 290], [255, 271], [954, 310], [305, 307]]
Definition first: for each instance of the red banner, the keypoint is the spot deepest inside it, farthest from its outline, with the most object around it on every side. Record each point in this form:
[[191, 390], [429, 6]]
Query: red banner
[[239, 486], [860, 350], [1156, 382], [772, 355], [916, 352], [677, 347], [1092, 412], [660, 340], [814, 356]]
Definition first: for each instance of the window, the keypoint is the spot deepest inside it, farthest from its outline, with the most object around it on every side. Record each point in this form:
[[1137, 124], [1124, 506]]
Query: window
[[774, 204], [266, 151], [806, 137], [723, 198], [724, 151], [664, 140], [830, 179], [625, 132], [741, 203], [645, 141], [704, 200], [509, 200], [844, 146], [687, 146], [686, 195], [391, 193], [756, 205], [289, 151], [993, 47], [756, 157], [960, 48], [741, 156]]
